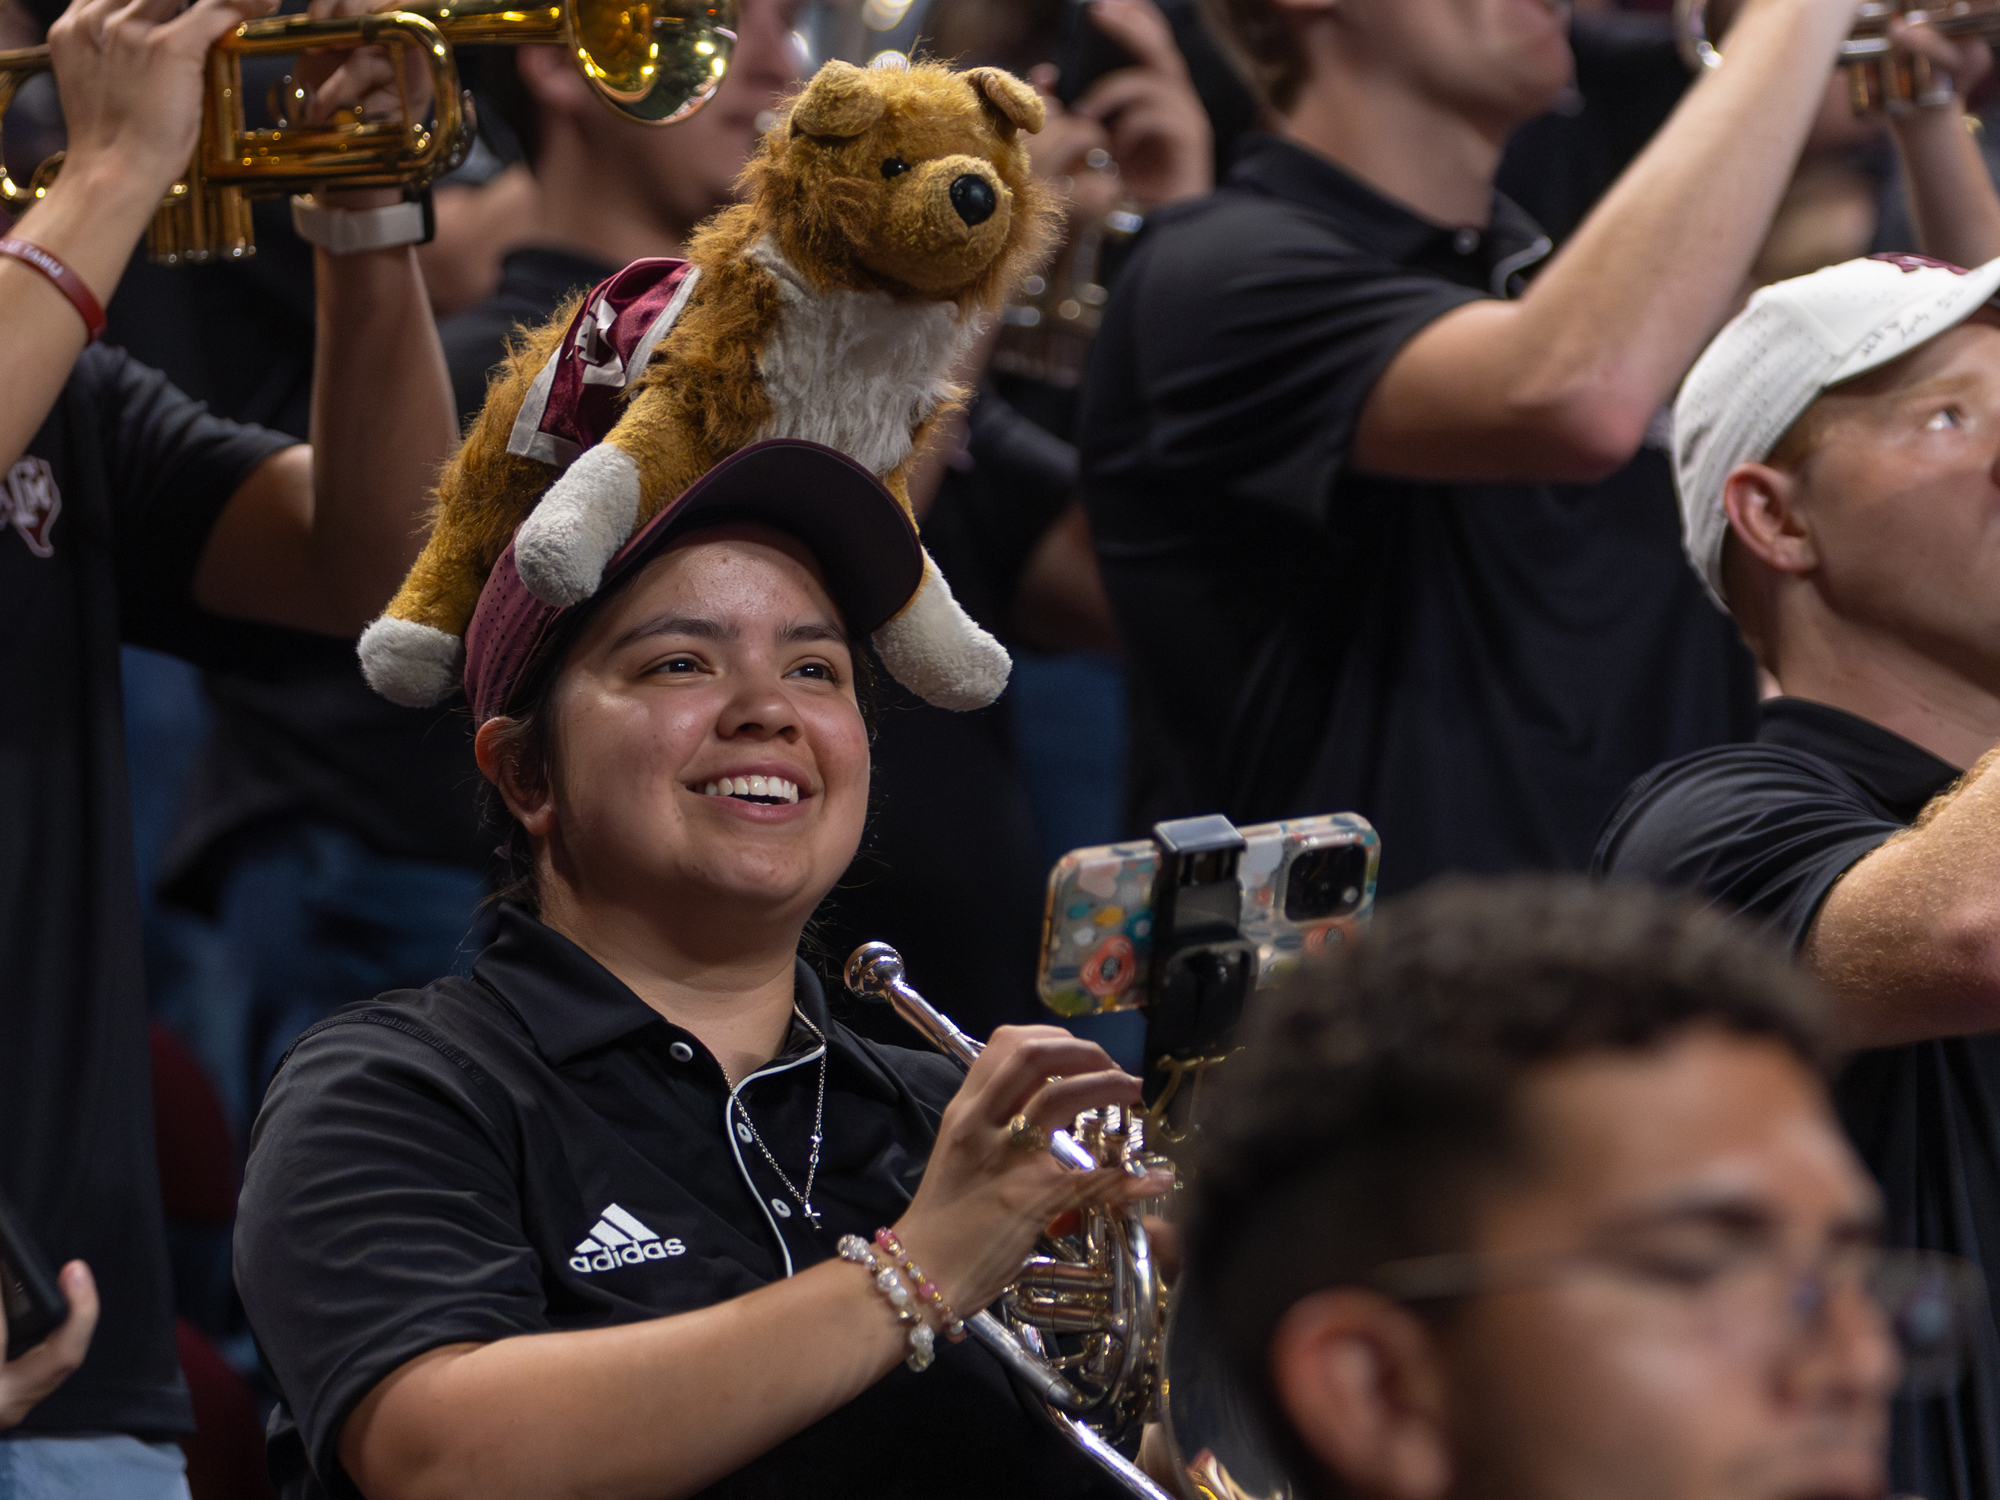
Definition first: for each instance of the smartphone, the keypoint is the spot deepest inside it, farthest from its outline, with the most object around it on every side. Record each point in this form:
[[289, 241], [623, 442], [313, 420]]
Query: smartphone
[[1300, 885], [1084, 53], [35, 1305]]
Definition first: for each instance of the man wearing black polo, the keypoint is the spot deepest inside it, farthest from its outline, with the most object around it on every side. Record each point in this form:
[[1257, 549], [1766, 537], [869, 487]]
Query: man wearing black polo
[[1346, 475], [1837, 450]]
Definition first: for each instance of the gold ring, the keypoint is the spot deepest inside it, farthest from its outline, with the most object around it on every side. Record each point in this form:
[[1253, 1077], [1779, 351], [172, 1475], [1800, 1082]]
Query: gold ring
[[1026, 1134]]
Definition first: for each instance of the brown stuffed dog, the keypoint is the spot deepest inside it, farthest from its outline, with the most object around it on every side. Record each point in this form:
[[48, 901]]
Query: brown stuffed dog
[[888, 212]]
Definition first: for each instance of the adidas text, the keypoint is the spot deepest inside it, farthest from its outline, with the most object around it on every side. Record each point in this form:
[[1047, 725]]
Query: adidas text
[[619, 1239]]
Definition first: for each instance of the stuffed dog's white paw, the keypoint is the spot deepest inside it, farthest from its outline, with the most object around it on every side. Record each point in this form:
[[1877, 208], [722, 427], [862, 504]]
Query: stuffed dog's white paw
[[934, 649], [411, 664], [578, 526]]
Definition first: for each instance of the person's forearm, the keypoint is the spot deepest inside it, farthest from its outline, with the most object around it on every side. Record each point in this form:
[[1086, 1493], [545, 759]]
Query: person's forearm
[[1562, 384], [647, 1411], [1660, 263], [89, 220], [383, 422], [1951, 195], [1909, 941]]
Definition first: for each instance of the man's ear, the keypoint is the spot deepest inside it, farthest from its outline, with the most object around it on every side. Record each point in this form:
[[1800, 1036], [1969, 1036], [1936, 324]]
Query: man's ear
[[533, 807], [839, 102], [1767, 519], [1361, 1381]]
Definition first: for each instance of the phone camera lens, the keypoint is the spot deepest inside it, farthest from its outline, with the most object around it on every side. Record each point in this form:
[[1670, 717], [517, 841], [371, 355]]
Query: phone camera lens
[[1325, 883]]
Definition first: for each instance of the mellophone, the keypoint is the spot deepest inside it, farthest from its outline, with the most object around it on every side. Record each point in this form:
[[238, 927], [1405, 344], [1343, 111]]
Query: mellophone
[[655, 61], [1193, 920]]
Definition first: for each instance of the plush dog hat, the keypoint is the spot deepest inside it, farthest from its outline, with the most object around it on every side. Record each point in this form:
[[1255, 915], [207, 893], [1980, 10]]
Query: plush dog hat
[[888, 214]]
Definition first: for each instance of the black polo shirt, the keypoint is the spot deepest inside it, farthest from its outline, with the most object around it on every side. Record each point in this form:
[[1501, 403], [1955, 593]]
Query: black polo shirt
[[534, 1148], [102, 524], [1766, 829], [1479, 668]]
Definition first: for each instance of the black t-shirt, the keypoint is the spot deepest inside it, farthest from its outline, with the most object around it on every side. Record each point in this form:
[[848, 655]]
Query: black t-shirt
[[1766, 829], [1478, 668], [533, 283], [296, 732], [103, 523], [533, 1148]]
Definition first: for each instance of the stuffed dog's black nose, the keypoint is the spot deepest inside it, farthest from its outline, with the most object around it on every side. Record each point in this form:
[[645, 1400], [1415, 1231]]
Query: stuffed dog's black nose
[[974, 199]]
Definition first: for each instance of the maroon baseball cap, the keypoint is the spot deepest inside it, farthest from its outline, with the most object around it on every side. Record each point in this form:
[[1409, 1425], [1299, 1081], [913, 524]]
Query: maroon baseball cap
[[864, 540]]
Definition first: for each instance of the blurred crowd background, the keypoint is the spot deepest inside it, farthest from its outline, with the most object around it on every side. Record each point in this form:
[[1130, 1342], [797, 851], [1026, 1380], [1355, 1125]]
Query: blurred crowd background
[[302, 843]]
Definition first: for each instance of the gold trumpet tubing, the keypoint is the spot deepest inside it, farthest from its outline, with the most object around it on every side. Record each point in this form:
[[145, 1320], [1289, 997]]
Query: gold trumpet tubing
[[17, 66], [370, 154], [655, 60]]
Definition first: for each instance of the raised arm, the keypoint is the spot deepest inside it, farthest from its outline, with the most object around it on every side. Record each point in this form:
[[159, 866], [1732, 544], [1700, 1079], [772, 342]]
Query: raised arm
[[319, 538], [1909, 940], [662, 1408], [1561, 384], [131, 82], [1950, 189]]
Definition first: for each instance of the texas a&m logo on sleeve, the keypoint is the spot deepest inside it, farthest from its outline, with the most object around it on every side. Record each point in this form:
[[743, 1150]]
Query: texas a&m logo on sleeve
[[620, 1240], [30, 503]]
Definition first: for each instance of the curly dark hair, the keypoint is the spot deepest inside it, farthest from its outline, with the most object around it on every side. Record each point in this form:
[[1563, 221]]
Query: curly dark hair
[[1377, 1089]]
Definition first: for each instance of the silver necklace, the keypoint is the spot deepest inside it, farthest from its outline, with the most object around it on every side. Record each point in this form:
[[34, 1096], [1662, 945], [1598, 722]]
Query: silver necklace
[[804, 1200]]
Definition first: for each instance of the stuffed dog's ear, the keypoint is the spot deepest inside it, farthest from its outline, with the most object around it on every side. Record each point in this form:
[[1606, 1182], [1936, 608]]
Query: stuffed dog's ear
[[838, 102], [1014, 105]]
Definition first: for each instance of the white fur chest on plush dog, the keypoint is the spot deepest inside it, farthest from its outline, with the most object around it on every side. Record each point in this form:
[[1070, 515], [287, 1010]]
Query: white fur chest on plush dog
[[857, 371]]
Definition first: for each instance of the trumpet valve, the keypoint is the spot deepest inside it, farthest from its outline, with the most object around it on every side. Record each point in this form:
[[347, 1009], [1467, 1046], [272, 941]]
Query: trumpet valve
[[1061, 1296]]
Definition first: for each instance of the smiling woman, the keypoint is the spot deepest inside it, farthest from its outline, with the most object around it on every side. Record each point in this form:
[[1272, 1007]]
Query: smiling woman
[[738, 1231]]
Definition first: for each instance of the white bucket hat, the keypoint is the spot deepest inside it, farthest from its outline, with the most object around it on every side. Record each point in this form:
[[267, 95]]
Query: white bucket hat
[[1793, 340]]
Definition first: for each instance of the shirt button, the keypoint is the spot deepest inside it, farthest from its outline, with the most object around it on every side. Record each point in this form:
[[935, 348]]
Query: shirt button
[[781, 1208], [744, 1133], [1465, 241], [681, 1052]]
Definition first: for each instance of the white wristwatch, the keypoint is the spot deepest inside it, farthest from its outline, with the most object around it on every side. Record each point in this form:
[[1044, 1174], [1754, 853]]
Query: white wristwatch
[[348, 231]]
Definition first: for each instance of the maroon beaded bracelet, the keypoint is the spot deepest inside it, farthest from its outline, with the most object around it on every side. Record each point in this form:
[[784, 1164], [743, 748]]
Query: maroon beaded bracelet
[[953, 1326]]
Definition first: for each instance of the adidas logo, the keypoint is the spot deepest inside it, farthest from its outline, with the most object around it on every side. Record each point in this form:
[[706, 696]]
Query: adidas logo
[[619, 1239]]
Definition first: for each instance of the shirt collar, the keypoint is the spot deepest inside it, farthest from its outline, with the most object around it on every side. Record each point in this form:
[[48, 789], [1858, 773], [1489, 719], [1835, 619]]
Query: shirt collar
[[1898, 774], [571, 1004], [1510, 242], [541, 272]]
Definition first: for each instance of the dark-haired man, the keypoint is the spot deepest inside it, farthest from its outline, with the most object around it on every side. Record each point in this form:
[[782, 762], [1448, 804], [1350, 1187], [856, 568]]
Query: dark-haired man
[[1368, 510], [608, 190], [1534, 1192], [1838, 454]]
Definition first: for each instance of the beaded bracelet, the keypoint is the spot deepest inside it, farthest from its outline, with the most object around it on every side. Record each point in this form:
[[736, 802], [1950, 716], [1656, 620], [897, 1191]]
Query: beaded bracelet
[[949, 1321], [923, 1343]]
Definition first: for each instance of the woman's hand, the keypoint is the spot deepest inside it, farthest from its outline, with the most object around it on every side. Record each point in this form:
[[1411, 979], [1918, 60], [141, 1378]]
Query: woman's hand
[[984, 1200], [132, 75]]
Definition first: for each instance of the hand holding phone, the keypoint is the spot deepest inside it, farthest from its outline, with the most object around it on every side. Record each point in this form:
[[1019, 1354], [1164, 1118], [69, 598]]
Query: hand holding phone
[[45, 1321]]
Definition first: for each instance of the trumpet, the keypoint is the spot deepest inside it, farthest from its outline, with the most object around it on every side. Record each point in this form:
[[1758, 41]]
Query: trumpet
[[1096, 1284], [656, 61], [1876, 77]]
